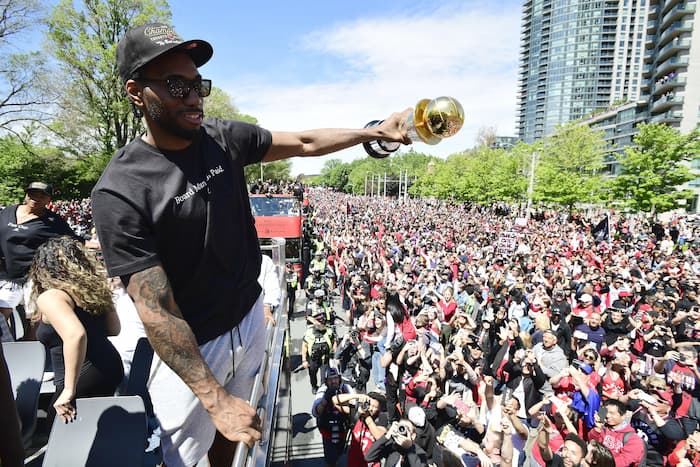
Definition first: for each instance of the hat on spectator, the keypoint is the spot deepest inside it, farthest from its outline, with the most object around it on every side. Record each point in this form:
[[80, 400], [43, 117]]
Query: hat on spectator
[[618, 305], [319, 314], [145, 43], [586, 368], [624, 292], [417, 416], [40, 186], [585, 298]]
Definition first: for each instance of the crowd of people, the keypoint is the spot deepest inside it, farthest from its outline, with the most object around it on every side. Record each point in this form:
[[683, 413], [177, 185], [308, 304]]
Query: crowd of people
[[481, 336], [552, 349]]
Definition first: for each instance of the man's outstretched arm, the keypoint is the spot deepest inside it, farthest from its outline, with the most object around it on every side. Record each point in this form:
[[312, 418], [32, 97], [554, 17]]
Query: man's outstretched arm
[[328, 140]]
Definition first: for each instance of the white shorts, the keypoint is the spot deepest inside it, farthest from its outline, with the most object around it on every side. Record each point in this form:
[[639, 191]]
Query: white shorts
[[11, 294], [187, 432]]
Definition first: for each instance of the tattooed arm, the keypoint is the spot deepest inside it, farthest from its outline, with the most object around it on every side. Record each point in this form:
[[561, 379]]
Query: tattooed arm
[[172, 339]]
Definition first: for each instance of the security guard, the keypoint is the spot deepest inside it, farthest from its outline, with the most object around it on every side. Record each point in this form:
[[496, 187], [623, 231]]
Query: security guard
[[317, 347], [292, 287]]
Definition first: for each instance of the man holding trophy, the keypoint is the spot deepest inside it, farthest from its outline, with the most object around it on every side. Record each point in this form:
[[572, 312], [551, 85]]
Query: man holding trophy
[[199, 298]]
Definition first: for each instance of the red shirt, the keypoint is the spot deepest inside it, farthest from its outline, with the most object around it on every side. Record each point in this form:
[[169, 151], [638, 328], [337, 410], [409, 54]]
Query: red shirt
[[360, 443]]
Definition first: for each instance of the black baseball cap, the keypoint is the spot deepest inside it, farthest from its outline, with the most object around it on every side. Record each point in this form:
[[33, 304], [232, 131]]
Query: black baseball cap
[[40, 186], [145, 43]]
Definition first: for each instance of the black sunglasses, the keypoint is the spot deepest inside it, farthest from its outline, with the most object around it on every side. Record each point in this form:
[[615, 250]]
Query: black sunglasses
[[180, 88]]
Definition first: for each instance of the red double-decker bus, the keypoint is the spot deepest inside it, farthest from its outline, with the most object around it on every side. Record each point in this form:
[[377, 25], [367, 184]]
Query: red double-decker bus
[[280, 216]]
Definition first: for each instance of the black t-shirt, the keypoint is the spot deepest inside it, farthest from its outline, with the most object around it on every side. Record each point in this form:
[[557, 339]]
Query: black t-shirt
[[563, 307], [19, 242], [189, 211]]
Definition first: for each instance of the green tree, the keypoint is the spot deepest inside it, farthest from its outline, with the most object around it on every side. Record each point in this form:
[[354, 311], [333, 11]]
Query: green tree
[[22, 163], [569, 165], [22, 91], [334, 174], [95, 115], [278, 170], [219, 104], [653, 170]]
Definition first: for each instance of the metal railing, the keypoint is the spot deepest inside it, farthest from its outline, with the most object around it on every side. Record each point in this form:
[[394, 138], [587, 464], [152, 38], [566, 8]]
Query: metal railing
[[267, 382]]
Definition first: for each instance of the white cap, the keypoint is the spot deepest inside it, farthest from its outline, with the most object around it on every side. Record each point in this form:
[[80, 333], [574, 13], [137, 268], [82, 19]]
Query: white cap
[[585, 298], [417, 416]]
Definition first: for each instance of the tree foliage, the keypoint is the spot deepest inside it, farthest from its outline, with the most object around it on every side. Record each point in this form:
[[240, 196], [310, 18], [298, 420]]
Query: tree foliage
[[22, 94], [652, 170], [22, 163], [95, 116], [367, 175], [569, 165]]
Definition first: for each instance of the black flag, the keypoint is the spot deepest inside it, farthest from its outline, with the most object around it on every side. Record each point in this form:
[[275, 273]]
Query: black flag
[[601, 232]]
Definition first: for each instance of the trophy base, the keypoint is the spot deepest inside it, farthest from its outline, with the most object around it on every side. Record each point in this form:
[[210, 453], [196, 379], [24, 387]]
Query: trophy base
[[377, 148]]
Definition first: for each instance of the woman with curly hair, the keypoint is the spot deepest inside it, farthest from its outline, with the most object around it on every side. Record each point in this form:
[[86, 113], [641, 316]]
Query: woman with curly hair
[[76, 314]]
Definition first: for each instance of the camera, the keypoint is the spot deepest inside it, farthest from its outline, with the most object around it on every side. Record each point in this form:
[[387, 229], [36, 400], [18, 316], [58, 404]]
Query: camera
[[682, 358], [363, 406], [403, 431], [397, 344]]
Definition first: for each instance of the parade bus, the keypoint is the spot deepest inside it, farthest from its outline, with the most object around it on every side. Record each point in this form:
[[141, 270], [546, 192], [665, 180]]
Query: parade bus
[[280, 216]]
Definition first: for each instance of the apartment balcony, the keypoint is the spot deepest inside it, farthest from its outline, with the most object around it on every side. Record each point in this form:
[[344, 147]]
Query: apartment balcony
[[665, 85], [653, 11], [668, 5], [650, 41], [646, 70], [667, 117], [678, 12], [644, 98], [675, 46], [651, 26], [674, 31], [665, 103], [669, 65]]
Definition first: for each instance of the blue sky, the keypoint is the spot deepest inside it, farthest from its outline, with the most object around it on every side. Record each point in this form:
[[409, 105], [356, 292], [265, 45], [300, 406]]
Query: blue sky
[[303, 64]]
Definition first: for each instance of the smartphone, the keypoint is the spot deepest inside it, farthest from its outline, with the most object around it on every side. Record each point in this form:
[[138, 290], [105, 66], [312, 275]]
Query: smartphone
[[602, 413], [649, 399], [461, 406]]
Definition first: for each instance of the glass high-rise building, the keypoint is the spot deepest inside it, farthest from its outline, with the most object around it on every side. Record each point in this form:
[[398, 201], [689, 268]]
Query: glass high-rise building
[[577, 57], [672, 64]]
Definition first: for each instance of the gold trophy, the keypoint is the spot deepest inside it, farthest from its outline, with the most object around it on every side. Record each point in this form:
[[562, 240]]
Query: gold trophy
[[430, 122]]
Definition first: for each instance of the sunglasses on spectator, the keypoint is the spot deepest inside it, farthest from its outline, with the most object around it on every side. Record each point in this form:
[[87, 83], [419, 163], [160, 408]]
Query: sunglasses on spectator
[[179, 87], [653, 387], [590, 356]]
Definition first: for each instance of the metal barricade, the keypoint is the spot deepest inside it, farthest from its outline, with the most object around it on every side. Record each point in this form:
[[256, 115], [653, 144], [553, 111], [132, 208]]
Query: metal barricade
[[265, 388]]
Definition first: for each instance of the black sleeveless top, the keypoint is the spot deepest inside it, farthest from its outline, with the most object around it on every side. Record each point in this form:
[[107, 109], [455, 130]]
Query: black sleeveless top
[[100, 354]]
